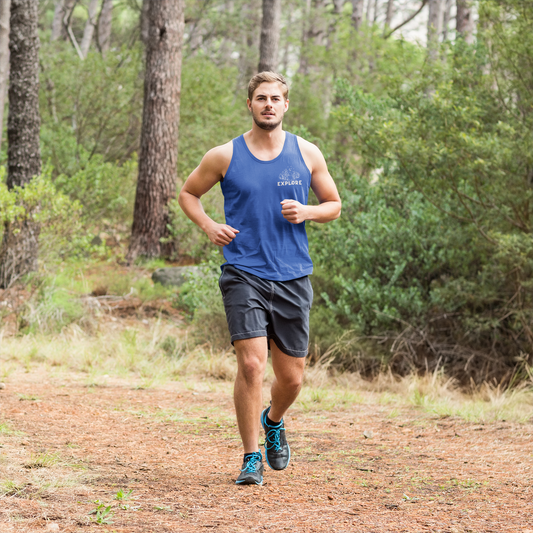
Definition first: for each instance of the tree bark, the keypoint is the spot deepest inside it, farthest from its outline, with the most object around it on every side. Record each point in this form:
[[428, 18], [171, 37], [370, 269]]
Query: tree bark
[[270, 28], [63, 7], [145, 21], [304, 59], [389, 14], [465, 20], [5, 6], [337, 6], [104, 26], [156, 184], [368, 15], [357, 13], [18, 253], [434, 27], [446, 17], [88, 32]]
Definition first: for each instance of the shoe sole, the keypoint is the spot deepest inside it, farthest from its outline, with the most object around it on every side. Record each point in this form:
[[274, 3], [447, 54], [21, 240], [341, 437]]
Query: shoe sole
[[249, 483], [263, 422]]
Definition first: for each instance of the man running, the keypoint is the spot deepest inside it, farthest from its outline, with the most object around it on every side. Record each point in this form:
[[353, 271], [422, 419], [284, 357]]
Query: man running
[[265, 176]]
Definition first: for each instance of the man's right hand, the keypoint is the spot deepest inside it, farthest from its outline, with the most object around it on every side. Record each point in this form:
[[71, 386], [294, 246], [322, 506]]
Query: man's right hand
[[221, 234]]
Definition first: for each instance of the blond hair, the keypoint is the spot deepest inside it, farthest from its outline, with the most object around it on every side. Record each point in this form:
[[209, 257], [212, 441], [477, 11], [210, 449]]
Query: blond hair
[[268, 77]]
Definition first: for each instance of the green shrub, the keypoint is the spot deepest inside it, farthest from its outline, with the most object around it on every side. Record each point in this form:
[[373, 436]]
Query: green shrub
[[200, 298], [61, 230]]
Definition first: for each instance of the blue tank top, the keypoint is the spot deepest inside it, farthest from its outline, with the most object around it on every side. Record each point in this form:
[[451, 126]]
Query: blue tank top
[[267, 245]]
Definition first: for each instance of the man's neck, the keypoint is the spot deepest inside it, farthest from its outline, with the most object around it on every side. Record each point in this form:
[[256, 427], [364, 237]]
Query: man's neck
[[265, 145], [264, 138]]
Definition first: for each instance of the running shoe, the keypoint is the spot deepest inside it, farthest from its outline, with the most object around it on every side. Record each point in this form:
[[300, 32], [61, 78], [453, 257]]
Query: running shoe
[[252, 470], [277, 450]]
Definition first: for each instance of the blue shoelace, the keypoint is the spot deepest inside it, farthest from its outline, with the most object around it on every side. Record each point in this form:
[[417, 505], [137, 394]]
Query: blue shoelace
[[273, 438], [252, 460]]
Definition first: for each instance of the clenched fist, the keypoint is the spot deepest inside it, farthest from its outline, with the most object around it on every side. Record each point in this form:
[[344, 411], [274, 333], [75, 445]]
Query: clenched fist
[[221, 234], [293, 211]]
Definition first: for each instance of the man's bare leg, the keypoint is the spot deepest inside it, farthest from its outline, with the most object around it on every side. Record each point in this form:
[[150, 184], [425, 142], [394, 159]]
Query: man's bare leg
[[248, 392], [287, 383]]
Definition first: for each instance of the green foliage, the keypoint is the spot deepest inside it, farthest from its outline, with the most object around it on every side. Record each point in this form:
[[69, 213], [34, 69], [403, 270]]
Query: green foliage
[[89, 107], [436, 256], [103, 513], [62, 233], [122, 495], [51, 309], [395, 248], [200, 298], [210, 114], [105, 190]]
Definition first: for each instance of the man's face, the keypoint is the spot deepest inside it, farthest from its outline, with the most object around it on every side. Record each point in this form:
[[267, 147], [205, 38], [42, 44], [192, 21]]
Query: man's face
[[268, 106]]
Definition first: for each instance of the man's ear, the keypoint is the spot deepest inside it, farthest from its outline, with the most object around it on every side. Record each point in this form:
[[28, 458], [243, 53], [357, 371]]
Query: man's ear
[[249, 103]]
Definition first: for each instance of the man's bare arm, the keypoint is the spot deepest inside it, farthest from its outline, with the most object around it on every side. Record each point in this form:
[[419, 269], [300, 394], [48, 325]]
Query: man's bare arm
[[323, 186], [210, 171]]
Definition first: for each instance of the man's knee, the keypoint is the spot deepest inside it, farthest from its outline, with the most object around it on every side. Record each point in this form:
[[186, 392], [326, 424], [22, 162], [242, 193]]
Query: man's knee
[[251, 369], [291, 381], [251, 359]]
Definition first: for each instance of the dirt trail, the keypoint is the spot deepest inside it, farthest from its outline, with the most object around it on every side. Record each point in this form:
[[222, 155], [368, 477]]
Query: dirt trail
[[177, 450]]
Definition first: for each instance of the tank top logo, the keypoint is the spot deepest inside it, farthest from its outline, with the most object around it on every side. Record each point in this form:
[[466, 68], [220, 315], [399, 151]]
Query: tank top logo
[[289, 176]]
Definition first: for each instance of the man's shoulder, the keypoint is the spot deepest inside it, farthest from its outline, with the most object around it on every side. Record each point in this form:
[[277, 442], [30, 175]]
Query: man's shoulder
[[219, 157], [221, 150], [307, 146], [311, 153]]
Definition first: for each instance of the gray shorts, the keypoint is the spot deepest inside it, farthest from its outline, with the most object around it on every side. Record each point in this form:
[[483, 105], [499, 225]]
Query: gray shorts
[[277, 310]]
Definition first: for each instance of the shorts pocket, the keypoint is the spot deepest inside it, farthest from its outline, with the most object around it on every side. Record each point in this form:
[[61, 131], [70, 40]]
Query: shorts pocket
[[220, 286], [311, 293]]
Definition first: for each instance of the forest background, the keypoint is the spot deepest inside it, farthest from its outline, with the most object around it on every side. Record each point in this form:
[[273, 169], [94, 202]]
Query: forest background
[[428, 136]]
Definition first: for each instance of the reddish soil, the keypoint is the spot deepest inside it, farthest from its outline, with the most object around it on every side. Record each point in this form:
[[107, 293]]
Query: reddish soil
[[178, 451]]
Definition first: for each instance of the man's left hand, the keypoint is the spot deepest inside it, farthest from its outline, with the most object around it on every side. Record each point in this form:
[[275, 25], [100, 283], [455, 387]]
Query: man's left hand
[[293, 211]]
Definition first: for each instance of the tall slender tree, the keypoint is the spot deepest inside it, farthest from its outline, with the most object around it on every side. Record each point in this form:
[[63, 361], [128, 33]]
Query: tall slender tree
[[90, 25], [357, 13], [389, 13], [465, 20], [158, 157], [5, 8], [104, 26], [62, 10], [434, 27], [446, 17], [18, 252], [270, 28]]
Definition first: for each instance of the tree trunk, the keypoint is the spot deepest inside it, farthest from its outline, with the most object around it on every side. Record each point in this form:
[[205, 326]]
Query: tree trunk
[[434, 27], [4, 57], [357, 13], [368, 15], [390, 13], [465, 20], [156, 184], [337, 6], [18, 253], [88, 32], [376, 10], [304, 59], [446, 17], [63, 7], [270, 28], [145, 21], [104, 26]]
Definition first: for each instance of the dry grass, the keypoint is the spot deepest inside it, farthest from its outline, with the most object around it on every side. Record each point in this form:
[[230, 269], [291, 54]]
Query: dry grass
[[150, 353]]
